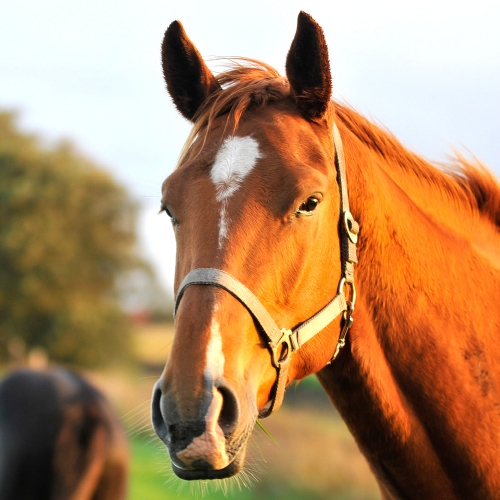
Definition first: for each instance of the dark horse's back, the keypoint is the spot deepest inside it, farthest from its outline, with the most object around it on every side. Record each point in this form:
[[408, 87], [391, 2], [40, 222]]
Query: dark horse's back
[[59, 439]]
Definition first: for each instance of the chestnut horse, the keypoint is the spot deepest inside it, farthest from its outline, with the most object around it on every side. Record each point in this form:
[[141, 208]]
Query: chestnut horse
[[59, 439], [269, 279]]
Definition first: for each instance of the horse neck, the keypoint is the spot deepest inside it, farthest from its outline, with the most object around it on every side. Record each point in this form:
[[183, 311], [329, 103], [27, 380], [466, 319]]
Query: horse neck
[[414, 325], [419, 233], [401, 262]]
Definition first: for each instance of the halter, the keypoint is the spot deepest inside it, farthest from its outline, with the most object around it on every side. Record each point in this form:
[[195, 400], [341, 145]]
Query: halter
[[283, 342]]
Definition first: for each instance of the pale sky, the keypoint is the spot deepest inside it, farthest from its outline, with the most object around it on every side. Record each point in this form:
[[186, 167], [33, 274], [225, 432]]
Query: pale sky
[[91, 71]]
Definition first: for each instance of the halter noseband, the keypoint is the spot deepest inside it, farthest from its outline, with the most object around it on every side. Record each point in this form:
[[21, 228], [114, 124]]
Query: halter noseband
[[282, 342]]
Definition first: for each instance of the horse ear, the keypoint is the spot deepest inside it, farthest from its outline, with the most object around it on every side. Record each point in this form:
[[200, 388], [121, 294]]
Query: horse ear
[[189, 81], [308, 68]]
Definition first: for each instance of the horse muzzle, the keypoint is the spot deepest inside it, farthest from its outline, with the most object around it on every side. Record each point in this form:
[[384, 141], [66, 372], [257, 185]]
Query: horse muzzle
[[203, 437]]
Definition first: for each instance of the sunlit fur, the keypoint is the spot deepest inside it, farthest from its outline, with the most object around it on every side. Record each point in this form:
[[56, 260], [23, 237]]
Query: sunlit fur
[[418, 380]]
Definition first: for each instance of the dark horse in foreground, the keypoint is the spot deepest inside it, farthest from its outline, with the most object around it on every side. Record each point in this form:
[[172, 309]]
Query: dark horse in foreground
[[387, 288], [59, 439]]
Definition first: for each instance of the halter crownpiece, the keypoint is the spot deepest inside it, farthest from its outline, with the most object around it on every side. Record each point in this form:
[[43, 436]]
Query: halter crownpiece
[[283, 342]]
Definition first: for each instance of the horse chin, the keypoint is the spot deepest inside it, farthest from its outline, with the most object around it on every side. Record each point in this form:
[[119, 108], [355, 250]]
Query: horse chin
[[208, 473]]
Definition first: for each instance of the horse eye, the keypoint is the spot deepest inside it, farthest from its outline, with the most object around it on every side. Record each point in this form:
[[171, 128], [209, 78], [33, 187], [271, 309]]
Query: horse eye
[[309, 206], [165, 209]]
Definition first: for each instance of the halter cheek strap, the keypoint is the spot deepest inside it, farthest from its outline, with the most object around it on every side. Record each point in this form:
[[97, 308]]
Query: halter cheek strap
[[283, 342]]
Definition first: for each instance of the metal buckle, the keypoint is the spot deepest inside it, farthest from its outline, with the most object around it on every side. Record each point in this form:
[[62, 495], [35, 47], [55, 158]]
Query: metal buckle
[[351, 226], [281, 352]]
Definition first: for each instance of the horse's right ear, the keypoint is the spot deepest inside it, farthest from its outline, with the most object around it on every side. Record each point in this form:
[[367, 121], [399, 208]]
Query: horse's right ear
[[189, 81], [308, 68]]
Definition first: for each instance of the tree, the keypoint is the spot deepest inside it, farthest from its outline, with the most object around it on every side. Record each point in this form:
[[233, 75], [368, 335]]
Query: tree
[[67, 235]]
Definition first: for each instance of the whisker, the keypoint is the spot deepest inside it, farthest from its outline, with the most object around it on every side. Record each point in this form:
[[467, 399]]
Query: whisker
[[138, 409]]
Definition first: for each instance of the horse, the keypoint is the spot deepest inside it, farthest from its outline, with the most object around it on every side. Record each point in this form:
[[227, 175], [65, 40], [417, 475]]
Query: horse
[[386, 287], [59, 439]]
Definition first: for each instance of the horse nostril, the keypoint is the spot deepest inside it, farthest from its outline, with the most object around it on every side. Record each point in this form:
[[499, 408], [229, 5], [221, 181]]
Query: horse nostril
[[230, 411], [157, 419]]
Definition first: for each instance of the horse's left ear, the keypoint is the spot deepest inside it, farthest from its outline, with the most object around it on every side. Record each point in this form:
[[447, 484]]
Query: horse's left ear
[[189, 80], [308, 68]]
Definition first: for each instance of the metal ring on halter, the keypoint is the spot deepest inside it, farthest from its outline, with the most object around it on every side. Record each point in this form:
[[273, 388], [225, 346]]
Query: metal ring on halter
[[342, 284]]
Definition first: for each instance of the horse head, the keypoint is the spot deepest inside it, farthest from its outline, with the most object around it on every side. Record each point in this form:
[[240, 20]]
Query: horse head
[[254, 203]]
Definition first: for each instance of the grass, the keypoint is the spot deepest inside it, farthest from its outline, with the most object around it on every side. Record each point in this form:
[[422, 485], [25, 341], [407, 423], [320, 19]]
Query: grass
[[147, 480]]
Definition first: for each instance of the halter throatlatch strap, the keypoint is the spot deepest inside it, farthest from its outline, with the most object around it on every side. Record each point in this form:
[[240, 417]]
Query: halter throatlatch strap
[[282, 342]]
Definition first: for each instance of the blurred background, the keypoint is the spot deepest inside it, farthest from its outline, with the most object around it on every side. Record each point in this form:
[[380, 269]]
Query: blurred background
[[88, 134]]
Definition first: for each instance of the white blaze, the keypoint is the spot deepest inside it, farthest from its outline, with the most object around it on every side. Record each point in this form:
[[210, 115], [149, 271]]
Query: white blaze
[[214, 361], [211, 445], [234, 161]]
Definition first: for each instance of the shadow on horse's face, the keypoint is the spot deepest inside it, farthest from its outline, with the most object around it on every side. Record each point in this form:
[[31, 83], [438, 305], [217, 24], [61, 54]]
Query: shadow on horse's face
[[252, 203]]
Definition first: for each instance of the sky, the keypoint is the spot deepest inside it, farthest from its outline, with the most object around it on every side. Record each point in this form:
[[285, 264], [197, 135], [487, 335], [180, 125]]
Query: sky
[[91, 72]]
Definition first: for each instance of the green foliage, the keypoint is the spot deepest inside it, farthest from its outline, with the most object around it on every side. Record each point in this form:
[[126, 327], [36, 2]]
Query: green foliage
[[67, 234]]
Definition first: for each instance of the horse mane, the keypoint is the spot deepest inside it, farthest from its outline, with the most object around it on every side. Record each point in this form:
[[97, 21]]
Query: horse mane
[[460, 180], [249, 83]]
